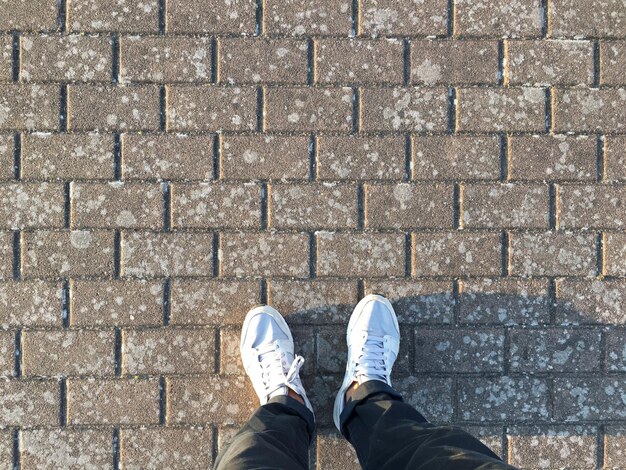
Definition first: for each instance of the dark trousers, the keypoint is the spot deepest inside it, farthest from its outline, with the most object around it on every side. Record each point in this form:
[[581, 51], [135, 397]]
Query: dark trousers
[[386, 433]]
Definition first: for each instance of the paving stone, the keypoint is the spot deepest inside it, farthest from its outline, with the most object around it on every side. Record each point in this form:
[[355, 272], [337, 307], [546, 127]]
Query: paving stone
[[271, 157], [589, 110], [175, 448], [614, 446], [74, 58], [500, 18], [30, 304], [7, 160], [214, 302], [578, 19], [456, 253], [590, 301], [230, 355], [66, 448], [416, 301], [552, 158], [225, 436], [591, 206], [615, 158], [347, 61], [321, 391], [504, 301], [113, 108], [312, 17], [559, 350], [211, 108], [165, 59], [29, 107], [49, 254], [586, 399], [220, 205], [506, 109], [404, 109], [308, 109], [459, 350], [28, 15], [248, 60], [227, 16], [503, 398], [68, 353], [614, 254], [615, 350], [29, 403], [6, 57], [408, 206], [168, 351], [67, 156], [313, 301], [552, 254], [612, 62], [6, 255], [264, 254], [556, 446], [117, 205], [149, 254], [113, 15], [7, 353], [356, 157], [404, 18], [118, 401], [455, 157], [360, 254], [312, 206], [505, 206], [133, 302], [211, 399], [334, 452], [491, 436], [167, 157], [459, 62], [430, 396], [541, 62], [29, 205]]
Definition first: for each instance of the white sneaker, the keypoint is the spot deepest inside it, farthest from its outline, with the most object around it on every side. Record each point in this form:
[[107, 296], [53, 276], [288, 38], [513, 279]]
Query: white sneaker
[[373, 338], [267, 353]]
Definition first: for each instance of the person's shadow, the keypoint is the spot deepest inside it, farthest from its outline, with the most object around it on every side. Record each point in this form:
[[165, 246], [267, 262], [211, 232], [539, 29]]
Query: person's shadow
[[526, 365]]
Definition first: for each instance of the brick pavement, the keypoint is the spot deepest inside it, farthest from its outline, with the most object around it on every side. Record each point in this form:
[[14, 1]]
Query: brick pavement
[[166, 165]]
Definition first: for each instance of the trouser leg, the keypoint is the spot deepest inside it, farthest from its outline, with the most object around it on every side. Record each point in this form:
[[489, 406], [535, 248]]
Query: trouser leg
[[277, 436], [390, 434]]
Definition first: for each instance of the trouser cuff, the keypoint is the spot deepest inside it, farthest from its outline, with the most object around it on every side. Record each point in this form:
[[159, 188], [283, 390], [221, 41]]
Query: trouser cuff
[[362, 393], [300, 409]]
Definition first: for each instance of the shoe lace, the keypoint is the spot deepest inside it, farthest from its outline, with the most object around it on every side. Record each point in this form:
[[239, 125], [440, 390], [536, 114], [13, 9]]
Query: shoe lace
[[273, 362], [372, 360]]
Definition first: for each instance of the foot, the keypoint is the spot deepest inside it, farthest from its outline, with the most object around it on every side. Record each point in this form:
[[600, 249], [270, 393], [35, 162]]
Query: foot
[[267, 353], [373, 338]]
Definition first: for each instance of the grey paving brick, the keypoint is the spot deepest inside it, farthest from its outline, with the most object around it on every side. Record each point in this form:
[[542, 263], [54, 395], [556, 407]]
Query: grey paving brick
[[235, 17], [578, 19], [552, 62], [601, 110], [409, 206], [66, 448], [404, 18], [591, 206], [167, 157], [552, 158], [506, 301], [614, 254], [7, 159], [429, 395], [271, 157], [500, 18], [612, 62], [29, 403], [586, 399], [30, 304], [334, 452], [248, 60], [454, 157], [357, 157], [615, 350], [460, 62], [404, 109], [6, 255], [30, 205], [560, 350], [6, 57], [615, 158], [113, 15], [74, 58], [7, 354], [312, 17], [28, 15], [165, 59], [211, 108], [614, 451], [29, 107], [590, 301], [347, 61], [553, 254]]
